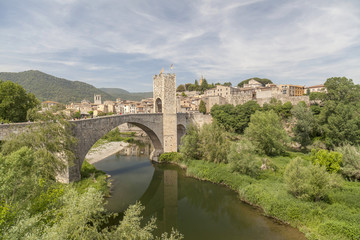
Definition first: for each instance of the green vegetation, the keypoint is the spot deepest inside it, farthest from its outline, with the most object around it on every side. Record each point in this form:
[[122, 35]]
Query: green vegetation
[[267, 133], [34, 206], [351, 161], [305, 189], [263, 81], [46, 87], [202, 107], [15, 102], [169, 157], [330, 160], [234, 118]]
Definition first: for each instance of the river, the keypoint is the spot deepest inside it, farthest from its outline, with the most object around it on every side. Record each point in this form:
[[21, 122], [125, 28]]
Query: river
[[198, 209]]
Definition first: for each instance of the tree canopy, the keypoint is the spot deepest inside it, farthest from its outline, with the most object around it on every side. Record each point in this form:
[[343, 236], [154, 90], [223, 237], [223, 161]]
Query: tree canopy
[[263, 81], [15, 102]]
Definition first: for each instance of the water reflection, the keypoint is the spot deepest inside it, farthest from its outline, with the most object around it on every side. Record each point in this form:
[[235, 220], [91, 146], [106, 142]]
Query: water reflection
[[199, 210]]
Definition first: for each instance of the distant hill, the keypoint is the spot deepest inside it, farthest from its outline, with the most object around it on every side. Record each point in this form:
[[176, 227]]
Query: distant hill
[[123, 94], [47, 87]]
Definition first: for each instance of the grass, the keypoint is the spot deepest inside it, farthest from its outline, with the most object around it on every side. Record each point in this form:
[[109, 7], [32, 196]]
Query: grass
[[338, 218], [91, 177]]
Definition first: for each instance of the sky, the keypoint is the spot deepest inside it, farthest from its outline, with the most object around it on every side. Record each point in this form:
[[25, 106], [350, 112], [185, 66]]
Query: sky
[[122, 44]]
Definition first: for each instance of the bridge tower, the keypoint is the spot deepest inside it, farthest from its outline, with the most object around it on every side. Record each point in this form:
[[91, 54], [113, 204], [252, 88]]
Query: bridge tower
[[164, 94]]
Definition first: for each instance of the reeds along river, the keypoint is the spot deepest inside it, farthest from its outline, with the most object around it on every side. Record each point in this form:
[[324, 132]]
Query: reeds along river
[[198, 209]]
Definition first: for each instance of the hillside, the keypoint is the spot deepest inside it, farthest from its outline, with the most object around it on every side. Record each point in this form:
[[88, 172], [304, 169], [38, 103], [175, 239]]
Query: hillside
[[123, 94], [47, 87]]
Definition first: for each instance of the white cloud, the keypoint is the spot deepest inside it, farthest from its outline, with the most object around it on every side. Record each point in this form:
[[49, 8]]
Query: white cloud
[[221, 39]]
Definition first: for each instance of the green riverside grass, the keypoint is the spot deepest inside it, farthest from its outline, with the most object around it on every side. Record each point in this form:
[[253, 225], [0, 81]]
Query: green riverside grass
[[338, 218]]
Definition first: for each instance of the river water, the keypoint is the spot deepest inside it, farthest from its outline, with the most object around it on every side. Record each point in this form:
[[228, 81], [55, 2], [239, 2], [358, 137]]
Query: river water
[[198, 209]]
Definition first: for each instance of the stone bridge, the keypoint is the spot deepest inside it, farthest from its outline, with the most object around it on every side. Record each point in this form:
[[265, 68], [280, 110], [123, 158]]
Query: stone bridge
[[165, 127], [88, 131]]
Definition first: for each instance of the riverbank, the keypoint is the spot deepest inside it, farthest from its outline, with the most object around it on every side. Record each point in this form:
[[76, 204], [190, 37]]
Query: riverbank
[[336, 218], [104, 150]]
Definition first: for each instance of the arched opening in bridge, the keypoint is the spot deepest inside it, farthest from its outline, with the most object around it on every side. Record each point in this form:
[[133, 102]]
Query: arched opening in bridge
[[158, 105], [157, 147], [181, 130]]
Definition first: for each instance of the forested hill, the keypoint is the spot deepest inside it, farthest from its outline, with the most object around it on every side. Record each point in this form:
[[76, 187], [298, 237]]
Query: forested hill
[[123, 94], [47, 87]]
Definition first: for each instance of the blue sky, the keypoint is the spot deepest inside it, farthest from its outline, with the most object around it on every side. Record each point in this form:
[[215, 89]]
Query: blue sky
[[117, 43]]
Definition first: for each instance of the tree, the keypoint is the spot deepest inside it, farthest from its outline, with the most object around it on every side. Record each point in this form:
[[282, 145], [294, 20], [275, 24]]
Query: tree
[[181, 88], [204, 85], [339, 116], [187, 85], [234, 118], [202, 107], [263, 81], [189, 146], [341, 89], [15, 102], [242, 158], [267, 133], [305, 124], [228, 84], [214, 144], [351, 161]]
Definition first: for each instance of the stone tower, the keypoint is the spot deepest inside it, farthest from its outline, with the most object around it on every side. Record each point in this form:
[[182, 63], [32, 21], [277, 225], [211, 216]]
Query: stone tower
[[97, 99], [165, 103]]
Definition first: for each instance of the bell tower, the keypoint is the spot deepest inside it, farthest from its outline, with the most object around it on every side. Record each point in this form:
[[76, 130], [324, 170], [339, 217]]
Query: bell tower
[[164, 94]]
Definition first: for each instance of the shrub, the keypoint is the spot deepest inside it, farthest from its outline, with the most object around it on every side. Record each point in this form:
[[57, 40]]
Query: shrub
[[307, 181], [351, 161], [242, 158], [190, 143], [330, 160], [214, 144], [169, 157]]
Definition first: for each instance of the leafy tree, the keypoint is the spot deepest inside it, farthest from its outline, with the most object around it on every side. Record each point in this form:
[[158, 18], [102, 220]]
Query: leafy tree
[[332, 161], [351, 161], [340, 123], [341, 89], [187, 85], [214, 144], [309, 182], [202, 107], [234, 118], [204, 85], [267, 133], [317, 96], [305, 125], [263, 81], [242, 158], [190, 143], [15, 102], [181, 88], [228, 84]]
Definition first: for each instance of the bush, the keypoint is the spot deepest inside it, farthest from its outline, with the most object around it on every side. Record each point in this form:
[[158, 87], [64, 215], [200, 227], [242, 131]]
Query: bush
[[267, 133], [307, 181], [169, 157], [214, 144], [351, 161], [190, 143], [330, 160], [242, 158]]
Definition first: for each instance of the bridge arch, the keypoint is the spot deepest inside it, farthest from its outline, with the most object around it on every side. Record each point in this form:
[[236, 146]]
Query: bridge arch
[[91, 130]]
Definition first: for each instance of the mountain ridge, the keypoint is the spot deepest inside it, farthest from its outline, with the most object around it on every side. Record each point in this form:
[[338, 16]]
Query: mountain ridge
[[47, 87]]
